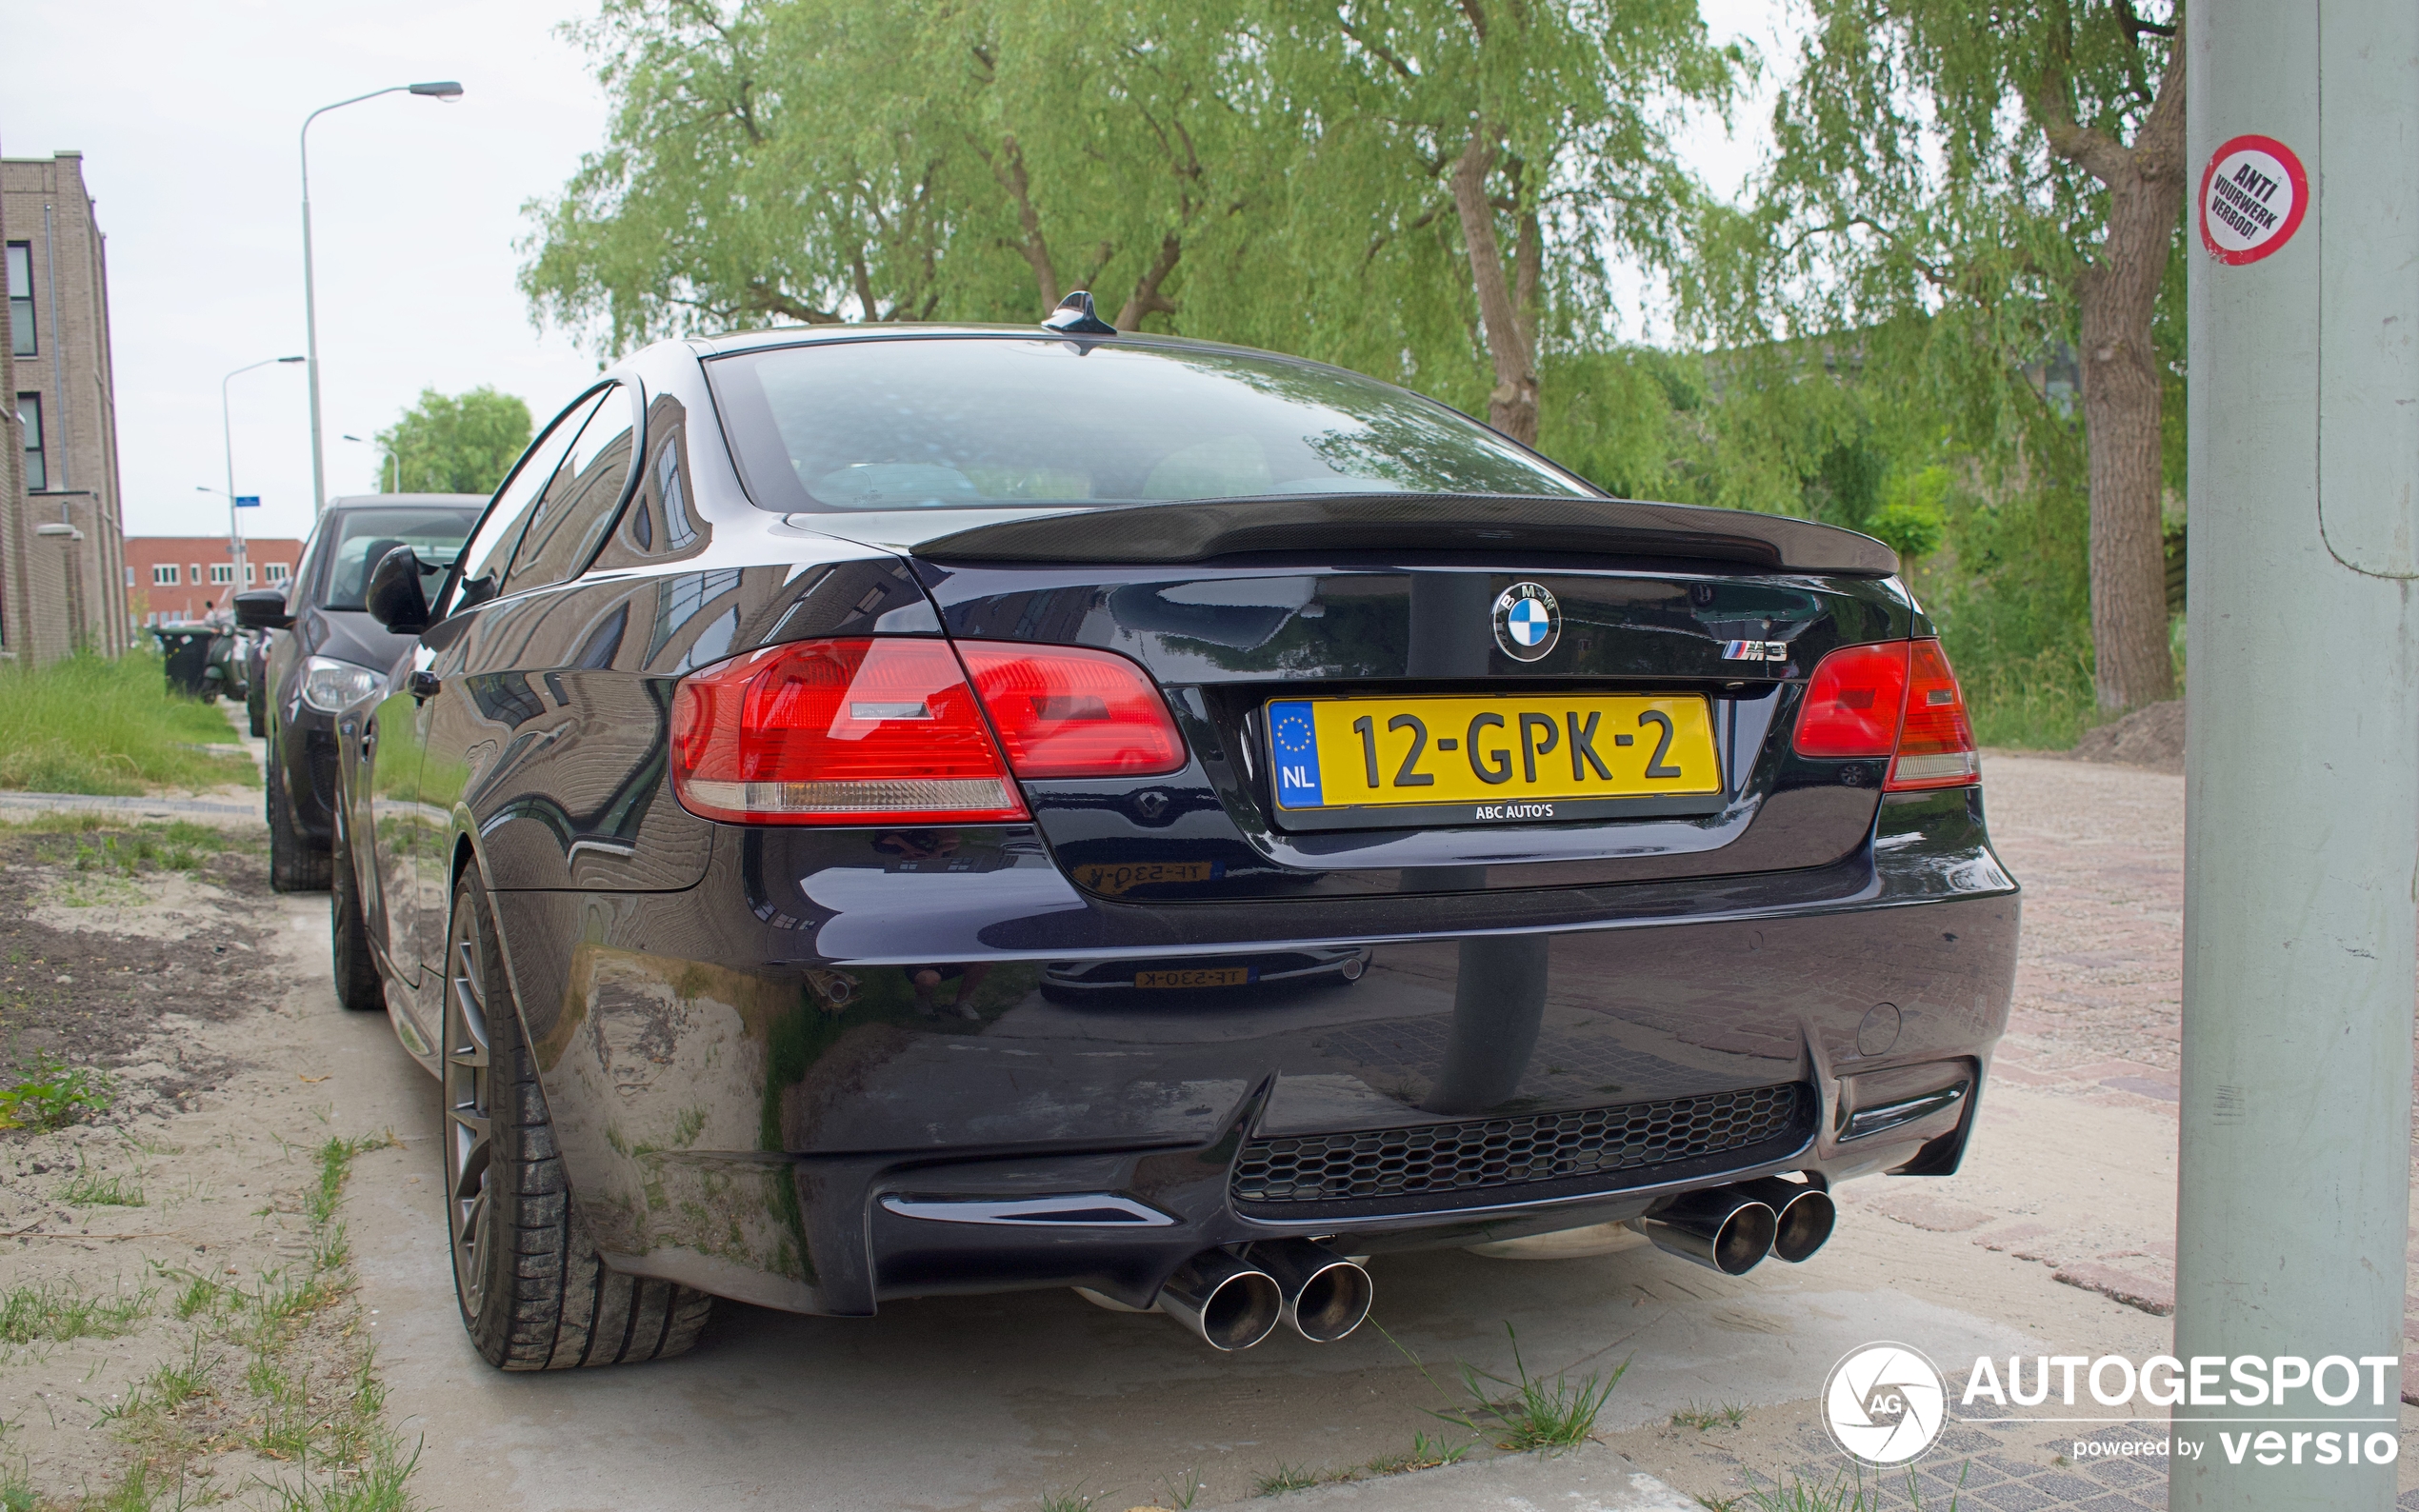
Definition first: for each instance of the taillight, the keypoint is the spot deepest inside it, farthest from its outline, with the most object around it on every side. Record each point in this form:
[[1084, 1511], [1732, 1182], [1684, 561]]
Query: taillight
[[1853, 701], [1068, 711], [1896, 699], [838, 732], [1936, 741], [892, 731]]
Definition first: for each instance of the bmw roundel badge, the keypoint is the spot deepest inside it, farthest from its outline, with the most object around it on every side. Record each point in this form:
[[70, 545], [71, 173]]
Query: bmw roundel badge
[[1527, 621]]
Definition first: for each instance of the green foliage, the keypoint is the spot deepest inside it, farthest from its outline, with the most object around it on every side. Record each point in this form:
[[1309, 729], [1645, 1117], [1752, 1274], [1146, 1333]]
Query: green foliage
[[55, 1095], [1724, 1415], [1523, 1412], [1846, 1492], [56, 1313], [1268, 171], [90, 724], [90, 1189], [456, 443]]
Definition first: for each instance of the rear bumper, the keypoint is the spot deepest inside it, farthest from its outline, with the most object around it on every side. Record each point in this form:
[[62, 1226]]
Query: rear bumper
[[849, 1066]]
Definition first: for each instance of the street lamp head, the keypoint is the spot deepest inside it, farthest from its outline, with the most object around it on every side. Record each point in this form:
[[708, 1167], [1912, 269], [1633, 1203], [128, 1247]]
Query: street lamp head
[[440, 89], [294, 359]]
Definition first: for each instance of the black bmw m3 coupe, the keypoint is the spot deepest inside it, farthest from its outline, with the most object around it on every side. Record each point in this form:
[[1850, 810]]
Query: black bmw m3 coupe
[[883, 811]]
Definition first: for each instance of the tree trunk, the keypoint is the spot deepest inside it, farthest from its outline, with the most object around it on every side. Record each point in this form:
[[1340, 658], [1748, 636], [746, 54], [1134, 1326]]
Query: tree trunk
[[1009, 167], [1512, 407], [2119, 294]]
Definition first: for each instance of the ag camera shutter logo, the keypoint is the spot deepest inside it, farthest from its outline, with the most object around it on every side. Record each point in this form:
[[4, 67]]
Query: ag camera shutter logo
[[1885, 1404]]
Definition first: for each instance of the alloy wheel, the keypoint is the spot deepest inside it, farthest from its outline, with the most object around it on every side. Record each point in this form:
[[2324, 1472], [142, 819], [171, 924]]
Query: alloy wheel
[[468, 1147]]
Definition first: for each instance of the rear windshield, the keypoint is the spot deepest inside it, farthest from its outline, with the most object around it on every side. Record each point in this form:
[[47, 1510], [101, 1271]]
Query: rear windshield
[[985, 422], [365, 535]]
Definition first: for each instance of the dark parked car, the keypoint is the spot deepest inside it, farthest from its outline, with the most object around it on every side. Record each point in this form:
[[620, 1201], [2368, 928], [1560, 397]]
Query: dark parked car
[[884, 811], [325, 650]]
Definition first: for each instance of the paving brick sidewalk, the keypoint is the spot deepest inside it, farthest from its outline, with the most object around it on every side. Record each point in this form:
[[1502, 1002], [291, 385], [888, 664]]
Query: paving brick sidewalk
[[2099, 997]]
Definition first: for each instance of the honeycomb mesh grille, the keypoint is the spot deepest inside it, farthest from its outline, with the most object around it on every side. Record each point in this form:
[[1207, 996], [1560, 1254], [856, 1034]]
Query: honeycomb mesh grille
[[1431, 1157]]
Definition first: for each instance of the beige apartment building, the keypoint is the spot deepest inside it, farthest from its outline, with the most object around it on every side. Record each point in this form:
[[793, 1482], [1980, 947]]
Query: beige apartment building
[[63, 571]]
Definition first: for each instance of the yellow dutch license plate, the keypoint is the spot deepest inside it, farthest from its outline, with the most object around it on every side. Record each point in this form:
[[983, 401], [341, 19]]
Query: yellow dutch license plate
[[1365, 761], [1195, 977]]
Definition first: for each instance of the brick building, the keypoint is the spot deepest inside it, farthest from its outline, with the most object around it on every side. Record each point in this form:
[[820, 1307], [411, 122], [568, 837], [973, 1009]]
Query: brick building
[[62, 543], [171, 578]]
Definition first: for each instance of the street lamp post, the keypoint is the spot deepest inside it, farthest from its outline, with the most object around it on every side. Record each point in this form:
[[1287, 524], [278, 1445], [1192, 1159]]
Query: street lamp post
[[227, 434], [439, 89], [389, 465]]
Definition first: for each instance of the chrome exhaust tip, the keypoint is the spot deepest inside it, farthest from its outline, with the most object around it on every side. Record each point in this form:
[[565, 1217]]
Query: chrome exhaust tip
[[1804, 1216], [1326, 1295], [1725, 1229], [1230, 1304]]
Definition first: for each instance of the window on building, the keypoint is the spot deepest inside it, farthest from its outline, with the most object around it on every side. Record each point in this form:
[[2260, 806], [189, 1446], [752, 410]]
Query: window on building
[[38, 473], [129, 577], [251, 575], [164, 576], [21, 298], [279, 572], [222, 572]]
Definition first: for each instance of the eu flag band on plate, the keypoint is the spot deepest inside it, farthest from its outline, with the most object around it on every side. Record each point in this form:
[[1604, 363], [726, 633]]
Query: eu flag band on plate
[[1296, 742]]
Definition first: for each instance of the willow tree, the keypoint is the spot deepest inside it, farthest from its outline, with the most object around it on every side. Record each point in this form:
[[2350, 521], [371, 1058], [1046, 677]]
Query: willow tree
[[2014, 173], [821, 160], [1467, 173]]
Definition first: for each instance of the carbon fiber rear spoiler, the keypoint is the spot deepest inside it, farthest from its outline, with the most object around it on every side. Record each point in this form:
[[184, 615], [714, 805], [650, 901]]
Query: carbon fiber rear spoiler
[[1206, 530]]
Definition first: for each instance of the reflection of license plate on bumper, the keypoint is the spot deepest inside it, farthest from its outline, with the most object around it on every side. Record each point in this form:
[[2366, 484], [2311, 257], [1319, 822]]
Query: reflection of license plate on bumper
[[1196, 977], [1394, 762]]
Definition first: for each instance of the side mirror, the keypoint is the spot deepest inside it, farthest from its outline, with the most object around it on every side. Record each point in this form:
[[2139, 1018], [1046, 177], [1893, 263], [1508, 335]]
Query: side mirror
[[262, 609], [394, 597]]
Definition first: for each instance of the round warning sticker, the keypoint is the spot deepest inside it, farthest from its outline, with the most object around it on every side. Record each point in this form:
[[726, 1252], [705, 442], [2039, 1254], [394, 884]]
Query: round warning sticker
[[2253, 196]]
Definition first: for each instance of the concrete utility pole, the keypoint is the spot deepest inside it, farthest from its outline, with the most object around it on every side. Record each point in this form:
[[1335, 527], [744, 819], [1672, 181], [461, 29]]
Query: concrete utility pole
[[2302, 835]]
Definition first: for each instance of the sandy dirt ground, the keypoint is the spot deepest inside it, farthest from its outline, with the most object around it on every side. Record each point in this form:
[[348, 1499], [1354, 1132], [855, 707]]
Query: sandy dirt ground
[[2056, 1238], [178, 1325]]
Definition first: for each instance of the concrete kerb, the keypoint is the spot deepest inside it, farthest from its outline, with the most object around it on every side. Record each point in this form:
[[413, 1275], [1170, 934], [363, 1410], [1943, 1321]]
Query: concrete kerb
[[201, 810], [1588, 1478]]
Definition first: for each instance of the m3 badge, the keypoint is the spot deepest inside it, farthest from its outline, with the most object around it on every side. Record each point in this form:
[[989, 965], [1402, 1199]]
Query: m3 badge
[[1755, 650]]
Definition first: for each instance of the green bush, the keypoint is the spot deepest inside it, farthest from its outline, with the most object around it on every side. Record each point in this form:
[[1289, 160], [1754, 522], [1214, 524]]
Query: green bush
[[90, 724]]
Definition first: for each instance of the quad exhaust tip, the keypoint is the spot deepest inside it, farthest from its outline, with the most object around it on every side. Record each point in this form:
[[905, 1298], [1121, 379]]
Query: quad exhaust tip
[[1231, 1305], [1233, 1298], [1804, 1216], [1722, 1229], [1732, 1228], [1326, 1295]]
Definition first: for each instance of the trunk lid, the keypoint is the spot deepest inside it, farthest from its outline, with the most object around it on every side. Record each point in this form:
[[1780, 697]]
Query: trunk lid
[[1230, 636]]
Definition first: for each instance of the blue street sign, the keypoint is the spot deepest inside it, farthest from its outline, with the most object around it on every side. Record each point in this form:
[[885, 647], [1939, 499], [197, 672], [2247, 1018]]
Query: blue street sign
[[247, 501]]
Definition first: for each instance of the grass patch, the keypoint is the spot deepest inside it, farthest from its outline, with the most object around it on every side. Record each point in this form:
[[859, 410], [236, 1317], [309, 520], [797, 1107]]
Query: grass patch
[[1286, 1477], [90, 725], [1074, 1501], [1424, 1454], [56, 1314], [1842, 1493], [1729, 1415], [55, 1095], [1523, 1412], [271, 1389], [92, 1189], [2043, 701]]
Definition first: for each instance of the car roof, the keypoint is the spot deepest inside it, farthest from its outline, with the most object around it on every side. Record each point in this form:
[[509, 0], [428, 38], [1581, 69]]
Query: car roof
[[360, 500], [723, 344]]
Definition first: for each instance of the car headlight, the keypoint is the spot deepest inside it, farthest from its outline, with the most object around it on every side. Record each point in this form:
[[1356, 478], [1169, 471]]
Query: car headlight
[[329, 684]]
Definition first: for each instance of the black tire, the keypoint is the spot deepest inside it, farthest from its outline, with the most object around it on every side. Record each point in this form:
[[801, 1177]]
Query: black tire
[[294, 863], [357, 972], [256, 711], [534, 1294]]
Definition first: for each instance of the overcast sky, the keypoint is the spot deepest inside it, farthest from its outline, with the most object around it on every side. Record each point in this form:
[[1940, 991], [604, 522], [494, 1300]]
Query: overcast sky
[[187, 113]]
